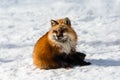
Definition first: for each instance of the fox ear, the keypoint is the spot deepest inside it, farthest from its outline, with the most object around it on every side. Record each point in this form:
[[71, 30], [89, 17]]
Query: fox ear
[[53, 22], [67, 21]]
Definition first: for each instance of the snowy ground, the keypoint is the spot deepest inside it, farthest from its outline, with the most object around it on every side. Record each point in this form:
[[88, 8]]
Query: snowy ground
[[97, 23]]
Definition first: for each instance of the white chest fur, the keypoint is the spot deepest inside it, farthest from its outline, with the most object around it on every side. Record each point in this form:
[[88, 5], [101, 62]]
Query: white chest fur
[[67, 46]]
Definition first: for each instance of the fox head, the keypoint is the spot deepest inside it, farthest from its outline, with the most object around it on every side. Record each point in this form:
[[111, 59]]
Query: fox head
[[61, 31]]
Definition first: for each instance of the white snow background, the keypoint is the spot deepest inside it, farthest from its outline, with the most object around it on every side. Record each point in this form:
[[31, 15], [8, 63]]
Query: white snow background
[[97, 23]]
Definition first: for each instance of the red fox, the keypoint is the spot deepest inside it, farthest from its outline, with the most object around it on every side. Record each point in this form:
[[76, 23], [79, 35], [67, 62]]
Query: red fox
[[57, 48]]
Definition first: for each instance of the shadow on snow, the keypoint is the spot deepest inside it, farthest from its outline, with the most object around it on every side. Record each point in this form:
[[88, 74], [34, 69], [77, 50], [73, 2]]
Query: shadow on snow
[[104, 62]]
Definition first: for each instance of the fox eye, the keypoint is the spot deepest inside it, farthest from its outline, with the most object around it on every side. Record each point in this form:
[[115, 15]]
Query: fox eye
[[54, 31], [64, 30]]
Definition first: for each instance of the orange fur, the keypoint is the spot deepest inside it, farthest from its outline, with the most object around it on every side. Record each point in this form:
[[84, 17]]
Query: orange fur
[[47, 48]]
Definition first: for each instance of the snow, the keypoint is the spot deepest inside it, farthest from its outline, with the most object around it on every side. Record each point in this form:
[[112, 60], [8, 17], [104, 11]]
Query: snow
[[97, 23]]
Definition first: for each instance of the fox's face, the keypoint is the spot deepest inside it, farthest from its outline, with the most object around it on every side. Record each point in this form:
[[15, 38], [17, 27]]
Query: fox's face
[[60, 34], [60, 30]]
